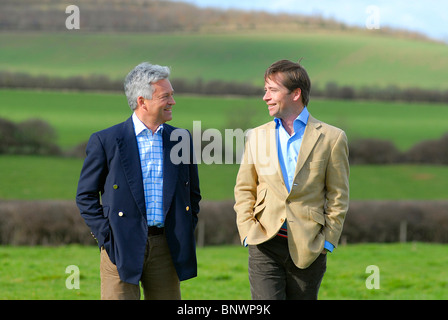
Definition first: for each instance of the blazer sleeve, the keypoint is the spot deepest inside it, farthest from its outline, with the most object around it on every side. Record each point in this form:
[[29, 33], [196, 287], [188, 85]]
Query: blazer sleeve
[[337, 186], [195, 193], [90, 185], [245, 193]]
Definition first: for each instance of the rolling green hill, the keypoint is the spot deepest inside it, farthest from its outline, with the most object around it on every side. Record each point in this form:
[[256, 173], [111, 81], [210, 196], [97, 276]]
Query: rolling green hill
[[350, 58], [76, 115]]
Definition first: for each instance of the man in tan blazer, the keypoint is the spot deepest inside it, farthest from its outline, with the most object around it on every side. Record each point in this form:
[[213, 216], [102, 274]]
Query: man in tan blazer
[[292, 190]]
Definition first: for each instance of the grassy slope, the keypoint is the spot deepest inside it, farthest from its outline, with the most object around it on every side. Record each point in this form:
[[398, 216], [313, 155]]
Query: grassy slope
[[346, 58]]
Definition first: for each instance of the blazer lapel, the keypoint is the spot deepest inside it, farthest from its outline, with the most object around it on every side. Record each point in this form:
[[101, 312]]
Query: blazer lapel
[[170, 170], [265, 153], [272, 141], [130, 159], [310, 138]]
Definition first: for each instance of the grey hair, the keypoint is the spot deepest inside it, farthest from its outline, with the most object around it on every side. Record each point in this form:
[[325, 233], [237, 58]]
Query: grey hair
[[139, 81]]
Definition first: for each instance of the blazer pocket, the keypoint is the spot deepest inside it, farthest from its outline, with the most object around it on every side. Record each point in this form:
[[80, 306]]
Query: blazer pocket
[[317, 216], [261, 195], [260, 203]]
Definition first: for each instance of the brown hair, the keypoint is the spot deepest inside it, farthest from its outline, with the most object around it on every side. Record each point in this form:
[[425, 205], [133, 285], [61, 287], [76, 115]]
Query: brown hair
[[295, 76]]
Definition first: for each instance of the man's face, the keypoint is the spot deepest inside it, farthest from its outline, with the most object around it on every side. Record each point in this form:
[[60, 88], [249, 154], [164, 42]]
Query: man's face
[[281, 103], [160, 106]]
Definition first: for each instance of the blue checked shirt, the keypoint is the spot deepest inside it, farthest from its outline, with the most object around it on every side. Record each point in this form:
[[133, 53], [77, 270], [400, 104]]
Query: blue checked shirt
[[150, 147]]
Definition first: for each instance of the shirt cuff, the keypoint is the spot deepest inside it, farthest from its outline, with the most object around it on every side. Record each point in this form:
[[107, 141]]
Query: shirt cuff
[[328, 246]]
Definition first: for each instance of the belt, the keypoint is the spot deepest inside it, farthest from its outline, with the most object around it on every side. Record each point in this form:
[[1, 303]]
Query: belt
[[155, 231]]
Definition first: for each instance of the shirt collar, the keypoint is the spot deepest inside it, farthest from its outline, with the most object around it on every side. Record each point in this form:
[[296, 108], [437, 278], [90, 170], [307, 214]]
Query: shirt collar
[[302, 117], [139, 126]]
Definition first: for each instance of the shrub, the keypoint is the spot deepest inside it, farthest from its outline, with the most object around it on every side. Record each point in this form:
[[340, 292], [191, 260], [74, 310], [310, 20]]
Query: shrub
[[217, 223], [380, 221], [430, 151], [55, 222], [8, 136], [37, 137], [373, 151], [33, 136], [46, 222], [58, 222]]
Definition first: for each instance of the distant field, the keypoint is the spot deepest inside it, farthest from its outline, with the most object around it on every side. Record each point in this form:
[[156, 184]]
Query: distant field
[[76, 115], [34, 178], [406, 272], [350, 58]]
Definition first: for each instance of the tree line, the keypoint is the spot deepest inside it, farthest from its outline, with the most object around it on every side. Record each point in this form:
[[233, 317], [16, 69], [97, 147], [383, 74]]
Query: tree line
[[219, 87]]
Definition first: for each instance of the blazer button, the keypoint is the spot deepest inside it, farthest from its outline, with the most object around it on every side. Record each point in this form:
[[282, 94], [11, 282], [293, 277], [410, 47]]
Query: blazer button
[[120, 213], [187, 208], [115, 186]]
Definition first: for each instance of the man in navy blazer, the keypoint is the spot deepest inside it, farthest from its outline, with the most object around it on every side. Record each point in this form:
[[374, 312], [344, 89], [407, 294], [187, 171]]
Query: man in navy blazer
[[140, 201]]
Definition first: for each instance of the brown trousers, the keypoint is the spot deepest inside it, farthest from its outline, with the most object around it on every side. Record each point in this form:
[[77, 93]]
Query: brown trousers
[[159, 278]]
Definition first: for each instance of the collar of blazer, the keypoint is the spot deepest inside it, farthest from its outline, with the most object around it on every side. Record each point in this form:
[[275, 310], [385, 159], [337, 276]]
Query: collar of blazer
[[310, 138], [129, 156]]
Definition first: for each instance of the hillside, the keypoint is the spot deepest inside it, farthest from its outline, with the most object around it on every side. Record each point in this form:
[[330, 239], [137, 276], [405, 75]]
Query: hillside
[[346, 59], [156, 16], [203, 45]]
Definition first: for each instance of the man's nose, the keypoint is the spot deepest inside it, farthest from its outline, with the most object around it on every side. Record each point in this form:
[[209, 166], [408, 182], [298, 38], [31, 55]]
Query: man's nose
[[266, 96]]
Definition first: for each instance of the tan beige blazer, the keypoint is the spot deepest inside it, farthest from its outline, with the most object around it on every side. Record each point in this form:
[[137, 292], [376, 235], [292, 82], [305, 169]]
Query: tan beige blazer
[[315, 208]]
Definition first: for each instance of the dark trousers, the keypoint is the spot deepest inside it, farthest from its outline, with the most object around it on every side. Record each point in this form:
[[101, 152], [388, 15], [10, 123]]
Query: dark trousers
[[274, 276]]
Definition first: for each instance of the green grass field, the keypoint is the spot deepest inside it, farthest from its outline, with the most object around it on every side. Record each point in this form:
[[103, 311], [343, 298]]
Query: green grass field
[[76, 115], [34, 178], [406, 271], [348, 58]]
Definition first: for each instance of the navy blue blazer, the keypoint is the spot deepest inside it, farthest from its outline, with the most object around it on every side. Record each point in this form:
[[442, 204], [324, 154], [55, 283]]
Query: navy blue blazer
[[111, 200]]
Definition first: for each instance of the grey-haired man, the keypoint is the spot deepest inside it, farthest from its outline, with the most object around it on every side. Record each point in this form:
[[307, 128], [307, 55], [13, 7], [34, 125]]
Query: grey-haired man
[[140, 206]]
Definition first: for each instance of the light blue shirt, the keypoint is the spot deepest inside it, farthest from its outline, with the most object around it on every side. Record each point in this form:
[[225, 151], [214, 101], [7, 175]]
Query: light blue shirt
[[288, 152], [150, 147]]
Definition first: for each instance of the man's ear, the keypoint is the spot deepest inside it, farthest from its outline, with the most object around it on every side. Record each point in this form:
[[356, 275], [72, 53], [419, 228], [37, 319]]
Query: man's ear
[[141, 102], [297, 94]]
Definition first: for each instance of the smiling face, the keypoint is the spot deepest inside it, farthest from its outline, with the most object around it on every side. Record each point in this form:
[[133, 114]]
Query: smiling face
[[281, 103], [157, 110]]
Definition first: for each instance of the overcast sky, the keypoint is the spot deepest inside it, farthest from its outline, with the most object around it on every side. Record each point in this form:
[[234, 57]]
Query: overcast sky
[[429, 17]]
